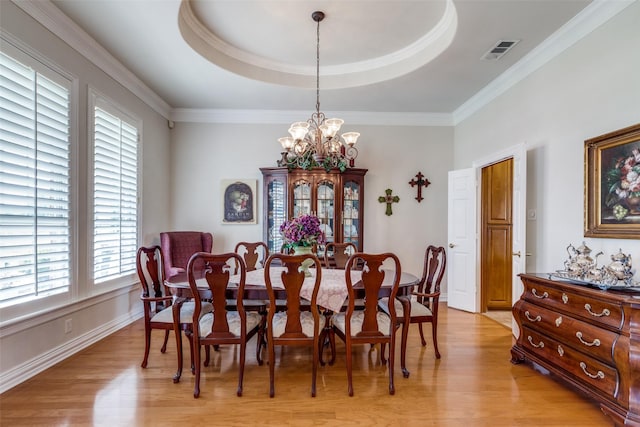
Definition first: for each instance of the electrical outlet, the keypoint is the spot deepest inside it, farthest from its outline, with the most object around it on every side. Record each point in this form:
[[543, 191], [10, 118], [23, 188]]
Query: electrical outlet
[[68, 326]]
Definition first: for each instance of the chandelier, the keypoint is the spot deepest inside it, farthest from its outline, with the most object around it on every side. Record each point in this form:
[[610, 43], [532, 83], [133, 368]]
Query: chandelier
[[316, 142]]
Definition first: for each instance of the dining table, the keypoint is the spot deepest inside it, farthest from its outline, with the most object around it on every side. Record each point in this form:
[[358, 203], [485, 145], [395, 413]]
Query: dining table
[[332, 293]]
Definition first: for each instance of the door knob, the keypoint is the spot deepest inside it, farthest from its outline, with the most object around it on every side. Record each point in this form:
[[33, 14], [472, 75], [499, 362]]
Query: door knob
[[517, 254], [451, 245]]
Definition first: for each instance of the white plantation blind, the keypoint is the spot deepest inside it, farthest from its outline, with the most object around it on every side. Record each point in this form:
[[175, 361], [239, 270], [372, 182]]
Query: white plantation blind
[[34, 182], [115, 195]]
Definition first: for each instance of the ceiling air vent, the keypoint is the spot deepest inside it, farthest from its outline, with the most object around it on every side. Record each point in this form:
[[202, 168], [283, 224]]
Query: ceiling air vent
[[499, 49]]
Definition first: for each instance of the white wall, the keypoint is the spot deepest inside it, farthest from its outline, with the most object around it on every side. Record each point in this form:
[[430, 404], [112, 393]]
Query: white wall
[[205, 153], [590, 89], [35, 342]]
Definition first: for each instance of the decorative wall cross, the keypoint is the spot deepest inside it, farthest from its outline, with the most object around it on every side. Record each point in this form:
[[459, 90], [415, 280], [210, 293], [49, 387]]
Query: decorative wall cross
[[388, 199], [422, 181]]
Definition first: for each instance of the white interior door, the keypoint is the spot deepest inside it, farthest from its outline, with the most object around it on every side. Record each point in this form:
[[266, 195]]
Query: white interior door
[[519, 228], [461, 253]]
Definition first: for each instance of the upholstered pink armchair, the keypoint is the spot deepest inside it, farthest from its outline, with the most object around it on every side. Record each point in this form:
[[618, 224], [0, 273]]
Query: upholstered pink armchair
[[178, 246]]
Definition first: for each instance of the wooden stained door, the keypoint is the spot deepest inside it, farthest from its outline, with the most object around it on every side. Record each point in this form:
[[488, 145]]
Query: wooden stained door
[[496, 236]]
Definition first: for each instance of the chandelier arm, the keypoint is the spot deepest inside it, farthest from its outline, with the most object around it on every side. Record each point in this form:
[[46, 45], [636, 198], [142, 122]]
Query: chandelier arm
[[350, 152]]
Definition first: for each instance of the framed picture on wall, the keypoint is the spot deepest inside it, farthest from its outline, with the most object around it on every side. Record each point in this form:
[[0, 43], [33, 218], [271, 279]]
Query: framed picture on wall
[[239, 201], [612, 184]]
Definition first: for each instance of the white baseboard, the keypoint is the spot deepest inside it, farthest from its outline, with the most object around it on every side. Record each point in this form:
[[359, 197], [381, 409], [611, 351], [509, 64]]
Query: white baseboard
[[32, 367]]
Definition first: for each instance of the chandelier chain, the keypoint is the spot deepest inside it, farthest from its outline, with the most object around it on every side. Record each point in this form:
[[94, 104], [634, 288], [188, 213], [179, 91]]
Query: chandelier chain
[[318, 67]]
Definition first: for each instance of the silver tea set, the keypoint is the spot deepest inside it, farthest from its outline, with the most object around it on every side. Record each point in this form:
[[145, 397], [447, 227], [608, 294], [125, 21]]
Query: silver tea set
[[582, 267]]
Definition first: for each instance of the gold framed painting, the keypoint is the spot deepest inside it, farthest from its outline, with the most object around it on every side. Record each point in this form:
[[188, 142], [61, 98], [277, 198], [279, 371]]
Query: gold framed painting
[[239, 201], [612, 184]]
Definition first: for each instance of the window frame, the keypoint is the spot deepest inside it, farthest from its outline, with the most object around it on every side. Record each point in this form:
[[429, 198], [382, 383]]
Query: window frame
[[97, 99], [41, 64]]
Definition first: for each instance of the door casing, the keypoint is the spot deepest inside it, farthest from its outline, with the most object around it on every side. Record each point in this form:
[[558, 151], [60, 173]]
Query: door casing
[[519, 155]]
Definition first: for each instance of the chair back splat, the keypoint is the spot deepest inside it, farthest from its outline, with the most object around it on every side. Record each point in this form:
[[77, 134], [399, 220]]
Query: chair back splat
[[336, 255], [255, 254]]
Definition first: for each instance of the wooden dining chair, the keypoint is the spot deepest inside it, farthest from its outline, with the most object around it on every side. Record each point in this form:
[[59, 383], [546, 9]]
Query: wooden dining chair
[[158, 308], [424, 309], [369, 325], [221, 326], [337, 254], [294, 323], [255, 254]]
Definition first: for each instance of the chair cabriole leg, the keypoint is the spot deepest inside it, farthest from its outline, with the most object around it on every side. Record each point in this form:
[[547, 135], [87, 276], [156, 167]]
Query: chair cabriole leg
[[207, 355], [392, 346], [424, 343], [272, 366], [349, 367], [243, 346], [196, 357], [164, 344], [147, 346], [434, 329]]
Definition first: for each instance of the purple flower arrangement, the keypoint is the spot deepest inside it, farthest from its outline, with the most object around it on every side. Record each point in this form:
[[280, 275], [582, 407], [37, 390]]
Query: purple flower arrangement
[[302, 231]]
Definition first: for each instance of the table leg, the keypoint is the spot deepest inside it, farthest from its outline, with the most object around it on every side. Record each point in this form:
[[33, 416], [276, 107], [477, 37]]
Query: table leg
[[327, 338]]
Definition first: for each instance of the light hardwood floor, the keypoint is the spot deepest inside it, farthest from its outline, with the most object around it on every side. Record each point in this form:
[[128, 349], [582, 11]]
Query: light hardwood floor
[[474, 384]]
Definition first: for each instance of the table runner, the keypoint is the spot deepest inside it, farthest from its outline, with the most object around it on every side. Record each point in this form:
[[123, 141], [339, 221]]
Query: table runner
[[333, 286]]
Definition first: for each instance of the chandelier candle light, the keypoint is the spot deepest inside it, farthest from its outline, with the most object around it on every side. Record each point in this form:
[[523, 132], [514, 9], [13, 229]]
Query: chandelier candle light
[[316, 142]]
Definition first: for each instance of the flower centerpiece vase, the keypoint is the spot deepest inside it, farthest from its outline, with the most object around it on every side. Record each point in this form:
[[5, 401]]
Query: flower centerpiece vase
[[304, 250]]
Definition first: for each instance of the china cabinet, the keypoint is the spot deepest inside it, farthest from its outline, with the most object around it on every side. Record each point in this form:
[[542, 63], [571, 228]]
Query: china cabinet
[[335, 197]]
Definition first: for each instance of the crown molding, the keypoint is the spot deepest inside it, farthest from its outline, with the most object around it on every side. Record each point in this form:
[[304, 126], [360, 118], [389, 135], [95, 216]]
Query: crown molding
[[289, 116], [48, 15], [590, 18]]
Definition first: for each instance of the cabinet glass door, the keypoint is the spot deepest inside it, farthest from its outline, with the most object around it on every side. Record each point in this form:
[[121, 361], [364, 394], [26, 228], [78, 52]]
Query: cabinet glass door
[[301, 198], [351, 213], [276, 214], [325, 208]]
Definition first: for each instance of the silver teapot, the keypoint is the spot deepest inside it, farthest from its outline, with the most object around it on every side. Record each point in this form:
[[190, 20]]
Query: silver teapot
[[621, 266], [580, 261]]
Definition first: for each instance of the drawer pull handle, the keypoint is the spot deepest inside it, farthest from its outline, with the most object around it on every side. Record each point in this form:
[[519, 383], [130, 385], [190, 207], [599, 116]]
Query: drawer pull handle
[[532, 319], [605, 312], [599, 374], [595, 342], [565, 298], [541, 345], [560, 350], [535, 294]]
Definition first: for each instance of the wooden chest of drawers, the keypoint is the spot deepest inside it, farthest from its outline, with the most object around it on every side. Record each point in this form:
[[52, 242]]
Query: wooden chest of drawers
[[587, 337]]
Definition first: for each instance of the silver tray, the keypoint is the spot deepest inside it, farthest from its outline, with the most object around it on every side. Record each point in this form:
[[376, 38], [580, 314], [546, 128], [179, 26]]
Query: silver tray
[[619, 286]]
